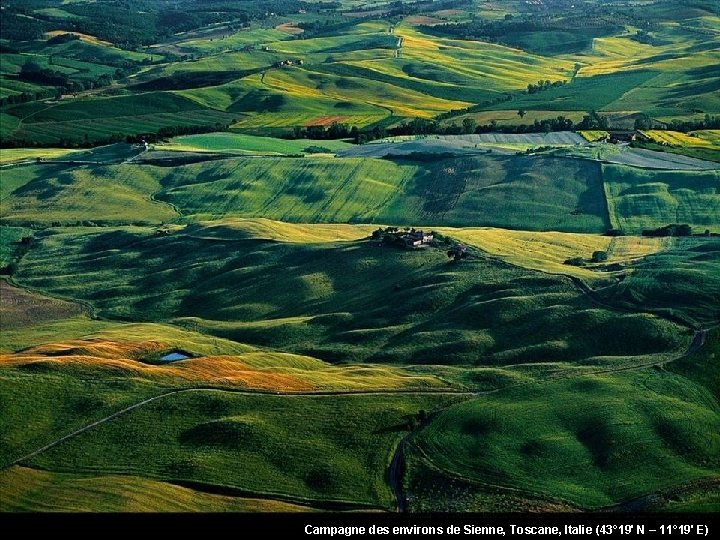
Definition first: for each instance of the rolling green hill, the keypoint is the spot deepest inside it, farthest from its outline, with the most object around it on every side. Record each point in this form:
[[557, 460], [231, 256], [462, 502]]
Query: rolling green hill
[[639, 199], [305, 449], [683, 281], [511, 192], [544, 440], [341, 301]]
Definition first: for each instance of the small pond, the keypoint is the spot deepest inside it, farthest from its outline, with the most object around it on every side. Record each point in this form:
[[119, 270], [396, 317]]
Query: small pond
[[174, 356]]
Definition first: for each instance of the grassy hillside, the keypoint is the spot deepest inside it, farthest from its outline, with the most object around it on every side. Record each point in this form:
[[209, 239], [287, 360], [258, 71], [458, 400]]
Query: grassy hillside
[[654, 427], [8, 155], [30, 490], [309, 448], [548, 251], [235, 143], [528, 358], [683, 281], [340, 301], [640, 199], [82, 121], [68, 194], [307, 190], [59, 404], [115, 353], [511, 192], [11, 247]]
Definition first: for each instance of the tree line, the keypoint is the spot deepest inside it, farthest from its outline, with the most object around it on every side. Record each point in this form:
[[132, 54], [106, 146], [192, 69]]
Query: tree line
[[421, 126]]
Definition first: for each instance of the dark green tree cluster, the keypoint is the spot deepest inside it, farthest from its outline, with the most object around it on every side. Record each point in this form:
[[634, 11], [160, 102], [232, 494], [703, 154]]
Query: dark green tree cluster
[[674, 229], [593, 121], [541, 86]]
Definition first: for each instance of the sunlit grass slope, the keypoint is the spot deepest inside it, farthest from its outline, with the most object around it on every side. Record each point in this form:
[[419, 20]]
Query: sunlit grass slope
[[23, 489], [654, 427], [340, 300]]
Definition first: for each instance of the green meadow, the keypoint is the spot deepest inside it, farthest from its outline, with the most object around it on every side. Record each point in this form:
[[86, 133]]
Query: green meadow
[[541, 439], [270, 435], [236, 143], [639, 199], [484, 190], [340, 301]]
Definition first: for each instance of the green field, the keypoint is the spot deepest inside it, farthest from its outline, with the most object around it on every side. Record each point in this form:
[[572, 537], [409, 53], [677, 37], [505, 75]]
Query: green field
[[544, 441], [235, 143], [639, 199], [69, 194], [410, 307], [8, 155], [31, 490], [10, 247], [225, 428], [682, 281], [566, 194]]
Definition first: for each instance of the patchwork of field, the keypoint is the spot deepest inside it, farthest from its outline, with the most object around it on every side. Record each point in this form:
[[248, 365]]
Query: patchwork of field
[[471, 191], [569, 194], [364, 74]]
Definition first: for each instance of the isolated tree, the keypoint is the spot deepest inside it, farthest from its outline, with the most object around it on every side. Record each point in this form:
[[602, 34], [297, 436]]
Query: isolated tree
[[599, 256], [575, 261], [521, 113]]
